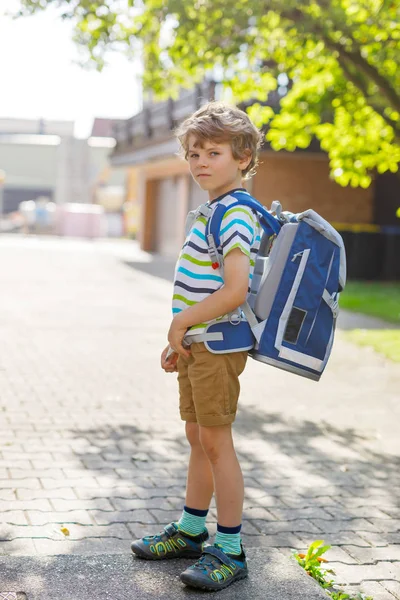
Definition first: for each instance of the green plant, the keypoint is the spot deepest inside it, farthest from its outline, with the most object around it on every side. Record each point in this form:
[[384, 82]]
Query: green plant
[[312, 564], [343, 596]]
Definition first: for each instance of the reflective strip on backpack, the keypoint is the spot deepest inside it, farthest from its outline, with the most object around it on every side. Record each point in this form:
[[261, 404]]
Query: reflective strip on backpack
[[301, 359], [290, 300]]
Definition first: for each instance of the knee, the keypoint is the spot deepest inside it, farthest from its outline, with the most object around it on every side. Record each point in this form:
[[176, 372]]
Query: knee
[[192, 434], [212, 443]]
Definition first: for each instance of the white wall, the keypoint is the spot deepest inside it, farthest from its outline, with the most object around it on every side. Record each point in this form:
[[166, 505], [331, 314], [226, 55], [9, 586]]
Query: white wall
[[28, 163]]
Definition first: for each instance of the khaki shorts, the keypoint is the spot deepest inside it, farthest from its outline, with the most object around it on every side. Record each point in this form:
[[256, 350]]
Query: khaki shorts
[[209, 385]]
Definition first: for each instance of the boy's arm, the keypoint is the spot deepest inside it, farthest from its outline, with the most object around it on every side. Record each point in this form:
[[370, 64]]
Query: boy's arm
[[230, 296]]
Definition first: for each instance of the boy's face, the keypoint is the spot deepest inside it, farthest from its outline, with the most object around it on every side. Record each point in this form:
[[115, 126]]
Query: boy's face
[[213, 166]]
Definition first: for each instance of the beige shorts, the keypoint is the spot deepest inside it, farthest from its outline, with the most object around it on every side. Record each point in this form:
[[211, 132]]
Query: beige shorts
[[209, 385]]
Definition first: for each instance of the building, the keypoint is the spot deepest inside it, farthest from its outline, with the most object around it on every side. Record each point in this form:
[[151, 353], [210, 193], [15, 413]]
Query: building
[[43, 159], [160, 184]]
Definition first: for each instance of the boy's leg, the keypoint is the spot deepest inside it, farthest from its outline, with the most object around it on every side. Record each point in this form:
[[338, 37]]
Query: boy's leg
[[200, 483], [199, 487], [185, 538], [215, 381], [228, 481], [225, 562]]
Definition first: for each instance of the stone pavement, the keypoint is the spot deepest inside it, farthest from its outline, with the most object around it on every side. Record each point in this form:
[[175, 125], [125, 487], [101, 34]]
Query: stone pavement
[[118, 577], [92, 450]]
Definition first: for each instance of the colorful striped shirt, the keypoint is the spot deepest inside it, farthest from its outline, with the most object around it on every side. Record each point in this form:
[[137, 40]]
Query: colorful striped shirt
[[195, 279]]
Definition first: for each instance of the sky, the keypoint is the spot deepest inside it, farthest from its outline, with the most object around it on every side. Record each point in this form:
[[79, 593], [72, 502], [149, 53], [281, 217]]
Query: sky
[[39, 78]]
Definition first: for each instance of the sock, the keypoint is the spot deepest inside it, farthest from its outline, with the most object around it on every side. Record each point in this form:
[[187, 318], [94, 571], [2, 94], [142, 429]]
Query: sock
[[229, 539], [192, 521]]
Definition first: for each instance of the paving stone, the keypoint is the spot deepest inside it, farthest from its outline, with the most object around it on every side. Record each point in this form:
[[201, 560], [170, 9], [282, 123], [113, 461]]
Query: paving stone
[[333, 525], [355, 574], [98, 503], [11, 455], [334, 554], [247, 527], [19, 547], [135, 503], [284, 539], [341, 538], [369, 588], [131, 516], [389, 512], [36, 494], [393, 587], [20, 464], [37, 473], [17, 505], [7, 495], [381, 539], [367, 512], [258, 512], [53, 531], [265, 501], [13, 517], [72, 516], [280, 526], [293, 514], [52, 484], [302, 502], [372, 555], [386, 525], [61, 464], [32, 484]]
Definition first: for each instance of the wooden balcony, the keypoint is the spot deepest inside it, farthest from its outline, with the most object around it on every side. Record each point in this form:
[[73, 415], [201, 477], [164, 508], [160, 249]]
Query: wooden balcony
[[155, 123]]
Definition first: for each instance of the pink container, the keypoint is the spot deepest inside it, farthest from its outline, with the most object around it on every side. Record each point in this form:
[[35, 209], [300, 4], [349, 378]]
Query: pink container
[[80, 220]]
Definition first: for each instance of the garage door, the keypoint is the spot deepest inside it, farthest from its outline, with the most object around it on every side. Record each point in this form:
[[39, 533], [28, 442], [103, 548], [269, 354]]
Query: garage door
[[168, 225]]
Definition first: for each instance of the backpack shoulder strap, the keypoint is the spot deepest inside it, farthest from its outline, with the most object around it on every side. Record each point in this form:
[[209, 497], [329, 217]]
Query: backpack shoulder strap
[[269, 223]]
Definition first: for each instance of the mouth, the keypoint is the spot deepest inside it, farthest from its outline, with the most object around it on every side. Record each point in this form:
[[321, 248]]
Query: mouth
[[203, 175]]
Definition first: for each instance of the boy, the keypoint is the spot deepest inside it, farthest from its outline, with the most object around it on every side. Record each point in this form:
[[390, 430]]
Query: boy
[[221, 145]]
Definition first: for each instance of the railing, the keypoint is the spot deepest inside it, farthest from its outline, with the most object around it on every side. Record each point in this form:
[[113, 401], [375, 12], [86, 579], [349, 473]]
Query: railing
[[159, 119]]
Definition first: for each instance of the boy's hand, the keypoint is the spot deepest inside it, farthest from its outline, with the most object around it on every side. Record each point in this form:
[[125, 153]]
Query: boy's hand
[[169, 363], [175, 336]]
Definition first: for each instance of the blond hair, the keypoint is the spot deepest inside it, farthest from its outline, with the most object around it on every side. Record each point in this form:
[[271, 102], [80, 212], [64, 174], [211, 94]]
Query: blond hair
[[220, 122]]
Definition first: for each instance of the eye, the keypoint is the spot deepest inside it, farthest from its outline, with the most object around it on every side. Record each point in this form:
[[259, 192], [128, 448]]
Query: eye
[[216, 153], [193, 156]]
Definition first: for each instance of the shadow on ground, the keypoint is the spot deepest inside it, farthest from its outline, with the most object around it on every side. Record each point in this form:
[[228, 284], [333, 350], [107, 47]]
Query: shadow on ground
[[307, 483]]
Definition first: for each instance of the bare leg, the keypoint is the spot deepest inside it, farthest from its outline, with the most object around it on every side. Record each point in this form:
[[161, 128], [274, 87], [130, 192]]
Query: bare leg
[[200, 485], [228, 479]]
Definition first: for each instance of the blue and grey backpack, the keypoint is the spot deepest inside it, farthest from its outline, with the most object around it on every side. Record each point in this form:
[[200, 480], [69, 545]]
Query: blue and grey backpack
[[289, 318]]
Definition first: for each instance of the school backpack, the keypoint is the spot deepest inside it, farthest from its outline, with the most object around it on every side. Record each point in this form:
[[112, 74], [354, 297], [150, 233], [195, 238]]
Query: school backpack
[[292, 306]]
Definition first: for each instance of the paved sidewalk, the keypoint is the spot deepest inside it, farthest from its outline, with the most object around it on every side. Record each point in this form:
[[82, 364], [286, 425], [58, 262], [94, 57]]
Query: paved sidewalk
[[92, 450]]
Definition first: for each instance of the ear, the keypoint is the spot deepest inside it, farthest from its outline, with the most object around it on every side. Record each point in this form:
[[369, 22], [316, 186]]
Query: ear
[[245, 160]]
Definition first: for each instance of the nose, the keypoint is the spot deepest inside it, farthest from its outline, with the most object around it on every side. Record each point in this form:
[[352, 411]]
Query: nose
[[203, 161]]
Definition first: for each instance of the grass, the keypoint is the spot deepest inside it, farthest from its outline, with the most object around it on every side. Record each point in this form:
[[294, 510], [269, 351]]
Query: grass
[[373, 298], [377, 300], [384, 341]]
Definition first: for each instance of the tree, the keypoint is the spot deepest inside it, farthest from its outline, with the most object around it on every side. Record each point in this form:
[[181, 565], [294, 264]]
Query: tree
[[340, 57]]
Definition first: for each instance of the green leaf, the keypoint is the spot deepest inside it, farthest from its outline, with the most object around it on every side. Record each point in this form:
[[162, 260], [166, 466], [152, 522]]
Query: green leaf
[[340, 58]]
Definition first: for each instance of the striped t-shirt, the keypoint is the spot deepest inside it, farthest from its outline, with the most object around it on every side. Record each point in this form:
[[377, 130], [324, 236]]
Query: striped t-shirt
[[195, 279]]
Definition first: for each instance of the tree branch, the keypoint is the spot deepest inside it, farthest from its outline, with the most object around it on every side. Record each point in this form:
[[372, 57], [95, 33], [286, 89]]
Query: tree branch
[[309, 25], [360, 85], [370, 71]]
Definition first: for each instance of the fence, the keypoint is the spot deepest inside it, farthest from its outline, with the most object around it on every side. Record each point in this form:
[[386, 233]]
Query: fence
[[373, 252]]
